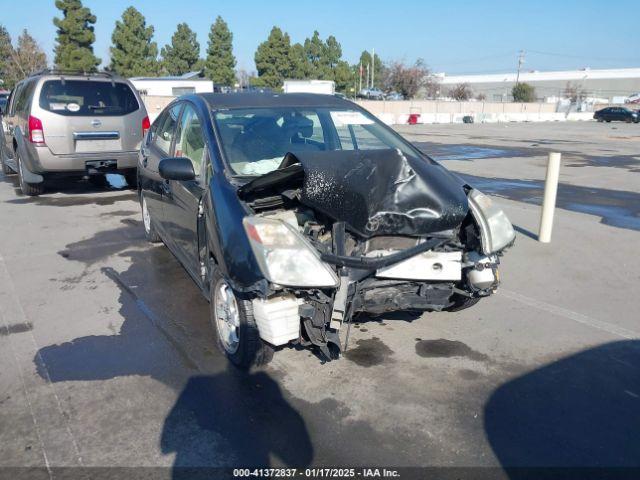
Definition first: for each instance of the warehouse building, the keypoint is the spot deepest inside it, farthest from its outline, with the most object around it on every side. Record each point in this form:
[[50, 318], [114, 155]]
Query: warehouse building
[[610, 85]]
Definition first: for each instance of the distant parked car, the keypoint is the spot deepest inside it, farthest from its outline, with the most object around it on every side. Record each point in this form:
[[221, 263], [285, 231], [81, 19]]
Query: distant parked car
[[635, 98], [620, 114], [61, 123], [371, 94], [394, 96]]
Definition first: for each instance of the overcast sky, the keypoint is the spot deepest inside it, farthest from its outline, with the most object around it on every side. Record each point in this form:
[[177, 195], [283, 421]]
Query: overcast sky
[[453, 36]]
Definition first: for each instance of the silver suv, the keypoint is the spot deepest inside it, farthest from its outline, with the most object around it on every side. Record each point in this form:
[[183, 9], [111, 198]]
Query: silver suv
[[72, 124]]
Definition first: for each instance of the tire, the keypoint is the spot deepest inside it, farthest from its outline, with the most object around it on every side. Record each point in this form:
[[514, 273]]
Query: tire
[[6, 170], [29, 189], [98, 180], [150, 231], [461, 302], [237, 334], [132, 178]]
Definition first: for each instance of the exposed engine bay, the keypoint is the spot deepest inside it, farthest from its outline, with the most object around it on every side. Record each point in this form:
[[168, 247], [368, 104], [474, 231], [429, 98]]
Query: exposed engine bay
[[338, 233]]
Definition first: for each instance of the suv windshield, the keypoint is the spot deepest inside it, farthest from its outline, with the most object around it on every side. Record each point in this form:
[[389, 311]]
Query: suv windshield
[[255, 140], [87, 98]]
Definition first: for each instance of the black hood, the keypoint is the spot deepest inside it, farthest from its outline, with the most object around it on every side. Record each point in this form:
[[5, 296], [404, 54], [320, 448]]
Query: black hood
[[375, 192]]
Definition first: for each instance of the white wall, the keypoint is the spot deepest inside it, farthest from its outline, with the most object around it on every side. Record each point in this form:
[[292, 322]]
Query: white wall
[[164, 88]]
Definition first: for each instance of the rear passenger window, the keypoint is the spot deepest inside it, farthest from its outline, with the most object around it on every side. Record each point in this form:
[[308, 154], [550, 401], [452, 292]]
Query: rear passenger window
[[166, 129], [87, 98]]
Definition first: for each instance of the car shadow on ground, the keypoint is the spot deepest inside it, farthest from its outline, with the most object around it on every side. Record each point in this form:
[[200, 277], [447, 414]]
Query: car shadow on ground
[[74, 191], [582, 411], [221, 416]]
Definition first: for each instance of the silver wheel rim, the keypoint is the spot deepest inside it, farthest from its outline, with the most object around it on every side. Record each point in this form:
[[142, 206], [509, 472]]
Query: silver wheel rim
[[146, 218], [227, 317]]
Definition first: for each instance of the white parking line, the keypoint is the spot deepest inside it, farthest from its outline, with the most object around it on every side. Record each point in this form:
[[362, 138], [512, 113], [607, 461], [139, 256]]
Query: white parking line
[[571, 315]]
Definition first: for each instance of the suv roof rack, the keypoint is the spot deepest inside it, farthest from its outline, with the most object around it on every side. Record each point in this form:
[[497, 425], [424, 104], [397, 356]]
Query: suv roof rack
[[77, 73]]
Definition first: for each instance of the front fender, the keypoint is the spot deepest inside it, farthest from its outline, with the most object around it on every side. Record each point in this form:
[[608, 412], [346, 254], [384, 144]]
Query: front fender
[[227, 239]]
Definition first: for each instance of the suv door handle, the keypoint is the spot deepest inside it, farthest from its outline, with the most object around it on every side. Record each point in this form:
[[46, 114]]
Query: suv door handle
[[145, 162]]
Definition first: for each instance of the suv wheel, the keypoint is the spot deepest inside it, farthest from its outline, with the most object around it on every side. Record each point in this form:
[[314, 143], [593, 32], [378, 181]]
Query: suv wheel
[[461, 302], [236, 330], [30, 189], [5, 168], [149, 229]]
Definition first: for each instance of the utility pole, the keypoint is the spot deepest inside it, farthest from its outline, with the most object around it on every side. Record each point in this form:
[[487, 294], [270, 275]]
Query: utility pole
[[373, 67], [360, 70], [520, 62]]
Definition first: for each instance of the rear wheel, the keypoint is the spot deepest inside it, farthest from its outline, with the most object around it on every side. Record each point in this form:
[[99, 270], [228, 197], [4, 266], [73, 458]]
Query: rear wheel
[[98, 180], [236, 330], [5, 168], [460, 302], [149, 229], [30, 189], [132, 178]]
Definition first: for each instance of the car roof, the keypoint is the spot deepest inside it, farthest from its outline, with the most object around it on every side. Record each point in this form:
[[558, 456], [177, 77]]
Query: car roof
[[268, 99]]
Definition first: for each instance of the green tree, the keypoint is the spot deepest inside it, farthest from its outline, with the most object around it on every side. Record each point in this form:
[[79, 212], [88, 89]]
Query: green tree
[[182, 55], [523, 92], [301, 68], [75, 37], [378, 69], [220, 62], [6, 53], [273, 59], [133, 53]]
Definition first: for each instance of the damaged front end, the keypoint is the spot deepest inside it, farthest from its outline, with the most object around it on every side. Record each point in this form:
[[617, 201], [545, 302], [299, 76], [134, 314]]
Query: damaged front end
[[341, 232]]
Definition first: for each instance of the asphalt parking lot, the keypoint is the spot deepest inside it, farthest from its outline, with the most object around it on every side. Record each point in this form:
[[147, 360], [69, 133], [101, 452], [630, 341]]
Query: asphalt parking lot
[[107, 357]]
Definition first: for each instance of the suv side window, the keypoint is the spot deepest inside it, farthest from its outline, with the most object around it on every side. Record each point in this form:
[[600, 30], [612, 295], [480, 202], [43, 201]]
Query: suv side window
[[190, 139], [13, 99], [24, 98], [166, 129]]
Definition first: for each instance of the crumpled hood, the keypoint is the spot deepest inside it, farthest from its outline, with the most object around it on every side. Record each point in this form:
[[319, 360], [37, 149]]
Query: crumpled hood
[[375, 192]]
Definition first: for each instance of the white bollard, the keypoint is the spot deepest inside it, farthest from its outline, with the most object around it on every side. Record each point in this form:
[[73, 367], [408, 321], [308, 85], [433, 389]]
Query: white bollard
[[549, 200]]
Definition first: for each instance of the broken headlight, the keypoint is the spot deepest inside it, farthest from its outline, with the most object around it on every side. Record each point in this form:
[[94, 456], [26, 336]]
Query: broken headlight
[[495, 228], [284, 256]]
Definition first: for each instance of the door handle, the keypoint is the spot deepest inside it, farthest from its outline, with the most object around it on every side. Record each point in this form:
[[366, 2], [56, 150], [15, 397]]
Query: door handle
[[145, 162]]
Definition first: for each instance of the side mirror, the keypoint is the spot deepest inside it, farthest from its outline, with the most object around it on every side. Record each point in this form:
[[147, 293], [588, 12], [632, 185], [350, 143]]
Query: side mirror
[[178, 168]]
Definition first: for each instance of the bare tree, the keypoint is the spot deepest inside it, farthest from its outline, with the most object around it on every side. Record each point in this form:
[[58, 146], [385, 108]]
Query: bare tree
[[28, 57], [574, 92], [407, 80], [461, 92]]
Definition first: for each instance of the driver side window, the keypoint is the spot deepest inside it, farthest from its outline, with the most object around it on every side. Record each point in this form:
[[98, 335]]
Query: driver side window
[[166, 129], [190, 139]]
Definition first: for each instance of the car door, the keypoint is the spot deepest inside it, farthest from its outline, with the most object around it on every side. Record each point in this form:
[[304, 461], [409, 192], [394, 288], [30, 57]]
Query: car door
[[8, 123], [159, 145], [182, 198]]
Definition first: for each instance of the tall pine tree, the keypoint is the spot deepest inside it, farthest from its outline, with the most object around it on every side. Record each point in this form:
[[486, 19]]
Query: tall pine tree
[[75, 37], [133, 53], [182, 55], [220, 62], [273, 59]]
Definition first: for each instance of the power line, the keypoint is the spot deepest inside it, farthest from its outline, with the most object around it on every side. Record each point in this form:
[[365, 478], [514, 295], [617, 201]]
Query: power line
[[580, 57]]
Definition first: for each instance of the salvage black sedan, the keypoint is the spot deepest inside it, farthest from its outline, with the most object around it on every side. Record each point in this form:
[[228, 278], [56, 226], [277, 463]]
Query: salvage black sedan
[[294, 212]]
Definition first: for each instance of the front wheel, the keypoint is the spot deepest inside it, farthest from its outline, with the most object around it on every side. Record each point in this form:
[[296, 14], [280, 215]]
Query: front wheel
[[30, 189], [150, 231], [236, 330]]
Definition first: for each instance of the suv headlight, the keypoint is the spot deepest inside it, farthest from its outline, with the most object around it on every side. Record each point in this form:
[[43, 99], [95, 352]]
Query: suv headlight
[[495, 228], [284, 256]]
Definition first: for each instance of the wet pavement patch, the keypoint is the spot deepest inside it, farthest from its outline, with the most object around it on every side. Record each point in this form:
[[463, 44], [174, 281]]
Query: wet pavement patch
[[443, 348], [445, 152], [369, 352], [616, 208], [468, 374], [15, 328]]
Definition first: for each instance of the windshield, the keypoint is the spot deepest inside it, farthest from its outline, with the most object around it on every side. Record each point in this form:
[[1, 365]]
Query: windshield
[[87, 98], [255, 140]]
